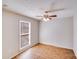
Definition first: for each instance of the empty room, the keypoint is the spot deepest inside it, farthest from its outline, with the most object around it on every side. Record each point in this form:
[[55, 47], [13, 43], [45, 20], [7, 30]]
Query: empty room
[[39, 29]]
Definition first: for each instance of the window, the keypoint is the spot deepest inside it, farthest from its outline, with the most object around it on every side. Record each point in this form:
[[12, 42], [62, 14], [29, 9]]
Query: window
[[25, 28]]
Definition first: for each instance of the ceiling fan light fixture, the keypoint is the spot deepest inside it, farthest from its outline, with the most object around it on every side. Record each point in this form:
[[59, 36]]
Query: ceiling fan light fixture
[[46, 19]]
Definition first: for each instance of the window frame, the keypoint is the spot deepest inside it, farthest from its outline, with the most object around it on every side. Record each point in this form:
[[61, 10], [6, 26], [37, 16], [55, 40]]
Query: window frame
[[29, 33]]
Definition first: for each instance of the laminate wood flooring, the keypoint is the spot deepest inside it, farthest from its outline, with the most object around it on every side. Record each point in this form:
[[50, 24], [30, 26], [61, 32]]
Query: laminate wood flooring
[[42, 51]]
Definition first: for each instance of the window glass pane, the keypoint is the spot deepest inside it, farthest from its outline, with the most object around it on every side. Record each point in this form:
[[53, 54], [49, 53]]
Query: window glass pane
[[24, 40], [24, 27]]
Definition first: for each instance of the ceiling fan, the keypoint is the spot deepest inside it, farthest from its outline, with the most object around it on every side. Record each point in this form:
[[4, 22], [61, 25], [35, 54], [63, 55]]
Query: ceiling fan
[[47, 17]]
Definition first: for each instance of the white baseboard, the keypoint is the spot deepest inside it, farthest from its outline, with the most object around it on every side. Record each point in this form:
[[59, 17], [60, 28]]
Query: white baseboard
[[55, 45], [75, 52]]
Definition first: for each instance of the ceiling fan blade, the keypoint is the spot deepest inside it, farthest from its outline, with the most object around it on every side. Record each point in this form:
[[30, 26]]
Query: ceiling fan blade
[[39, 16], [58, 9], [53, 16], [55, 10]]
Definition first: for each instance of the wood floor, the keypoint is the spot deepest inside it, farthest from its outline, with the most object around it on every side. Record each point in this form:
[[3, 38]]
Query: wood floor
[[42, 51]]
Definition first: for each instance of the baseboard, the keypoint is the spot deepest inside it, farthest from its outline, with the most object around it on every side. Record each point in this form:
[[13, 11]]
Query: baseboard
[[75, 53], [55, 45]]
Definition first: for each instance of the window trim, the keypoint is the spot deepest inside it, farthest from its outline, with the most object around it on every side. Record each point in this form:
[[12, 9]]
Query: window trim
[[29, 33]]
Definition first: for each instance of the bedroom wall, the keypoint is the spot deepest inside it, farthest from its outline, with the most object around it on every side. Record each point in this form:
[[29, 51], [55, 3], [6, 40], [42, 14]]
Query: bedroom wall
[[11, 34], [75, 33], [75, 28], [58, 32], [75, 36]]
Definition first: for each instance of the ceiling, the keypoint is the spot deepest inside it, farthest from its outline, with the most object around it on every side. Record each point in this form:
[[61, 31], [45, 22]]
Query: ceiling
[[33, 8]]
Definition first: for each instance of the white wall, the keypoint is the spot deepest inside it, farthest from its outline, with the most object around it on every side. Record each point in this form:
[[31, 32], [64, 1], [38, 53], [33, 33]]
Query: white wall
[[75, 36], [75, 32], [75, 28], [11, 34], [58, 32]]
